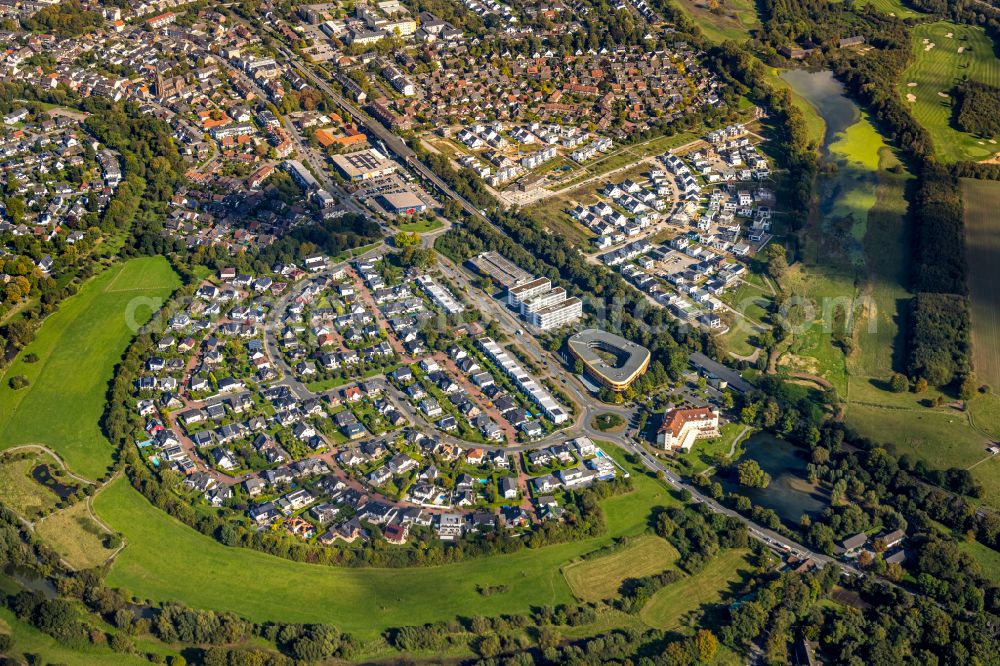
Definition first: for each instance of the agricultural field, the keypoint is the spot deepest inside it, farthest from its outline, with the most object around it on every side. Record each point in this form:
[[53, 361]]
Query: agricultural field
[[600, 577], [166, 560], [76, 536], [722, 19], [940, 63], [77, 348], [670, 605], [982, 247]]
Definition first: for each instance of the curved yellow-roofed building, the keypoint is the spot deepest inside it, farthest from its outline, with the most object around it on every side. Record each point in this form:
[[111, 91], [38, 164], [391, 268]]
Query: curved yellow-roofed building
[[609, 359]]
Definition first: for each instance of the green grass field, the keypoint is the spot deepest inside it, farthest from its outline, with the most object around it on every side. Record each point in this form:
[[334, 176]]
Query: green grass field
[[77, 348], [76, 536], [943, 437], [892, 7], [985, 413], [28, 640], [982, 248], [166, 560], [420, 226], [669, 606], [812, 350], [731, 19], [22, 493], [937, 70], [988, 559], [880, 327], [855, 248], [938, 436], [599, 578]]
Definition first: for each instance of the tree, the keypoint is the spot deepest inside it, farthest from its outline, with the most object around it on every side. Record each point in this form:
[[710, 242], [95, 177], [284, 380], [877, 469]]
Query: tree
[[706, 644], [898, 383], [18, 382], [489, 646], [16, 209], [405, 239], [727, 399], [20, 333], [967, 389], [752, 476], [776, 259]]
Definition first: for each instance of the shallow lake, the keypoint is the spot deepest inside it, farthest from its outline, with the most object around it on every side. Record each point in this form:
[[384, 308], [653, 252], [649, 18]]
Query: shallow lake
[[789, 494], [43, 475], [850, 156]]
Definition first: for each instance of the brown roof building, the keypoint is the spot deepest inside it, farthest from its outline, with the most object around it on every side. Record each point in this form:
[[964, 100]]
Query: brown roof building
[[681, 427]]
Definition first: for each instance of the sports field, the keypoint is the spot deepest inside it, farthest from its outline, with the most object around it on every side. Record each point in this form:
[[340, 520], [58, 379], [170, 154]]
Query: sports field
[[599, 578], [982, 247], [940, 63], [669, 606], [77, 348], [166, 560]]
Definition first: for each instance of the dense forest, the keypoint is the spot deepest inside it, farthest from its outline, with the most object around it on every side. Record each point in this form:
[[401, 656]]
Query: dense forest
[[66, 19], [939, 345], [976, 106]]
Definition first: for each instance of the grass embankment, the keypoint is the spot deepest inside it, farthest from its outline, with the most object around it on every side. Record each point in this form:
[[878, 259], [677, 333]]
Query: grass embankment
[[77, 348]]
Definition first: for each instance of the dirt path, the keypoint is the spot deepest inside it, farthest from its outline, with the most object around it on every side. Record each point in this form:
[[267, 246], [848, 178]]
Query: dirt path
[[56, 456]]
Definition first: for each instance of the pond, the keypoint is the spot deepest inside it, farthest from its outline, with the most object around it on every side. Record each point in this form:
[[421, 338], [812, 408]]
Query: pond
[[43, 475], [850, 157], [789, 494]]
